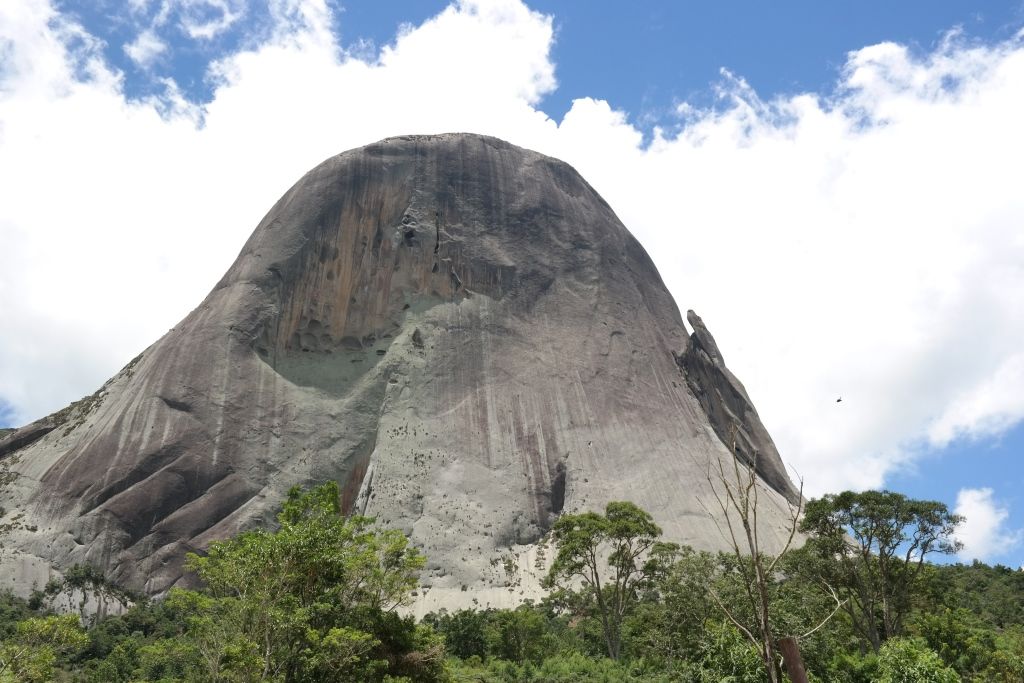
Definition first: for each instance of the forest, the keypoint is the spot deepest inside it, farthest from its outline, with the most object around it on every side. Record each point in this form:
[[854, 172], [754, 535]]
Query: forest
[[320, 599]]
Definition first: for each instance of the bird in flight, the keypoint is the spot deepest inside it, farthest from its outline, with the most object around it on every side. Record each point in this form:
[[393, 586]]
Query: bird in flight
[[839, 400]]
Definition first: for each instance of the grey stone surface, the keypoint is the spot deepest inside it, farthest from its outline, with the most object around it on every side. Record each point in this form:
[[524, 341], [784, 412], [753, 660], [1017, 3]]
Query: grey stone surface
[[729, 409], [15, 439], [459, 331]]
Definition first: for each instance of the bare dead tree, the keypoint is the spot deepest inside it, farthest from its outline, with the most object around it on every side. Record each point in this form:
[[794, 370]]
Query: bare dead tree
[[736, 494]]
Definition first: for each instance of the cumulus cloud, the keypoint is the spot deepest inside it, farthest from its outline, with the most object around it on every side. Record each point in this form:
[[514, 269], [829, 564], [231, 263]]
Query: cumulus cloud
[[984, 533], [146, 47], [863, 242], [991, 406], [206, 19]]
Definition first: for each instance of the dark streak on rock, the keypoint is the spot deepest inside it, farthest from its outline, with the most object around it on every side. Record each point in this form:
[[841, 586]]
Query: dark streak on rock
[[181, 405]]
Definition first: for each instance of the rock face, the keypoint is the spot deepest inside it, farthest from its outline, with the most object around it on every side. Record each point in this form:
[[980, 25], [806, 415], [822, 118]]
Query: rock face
[[729, 409], [457, 330]]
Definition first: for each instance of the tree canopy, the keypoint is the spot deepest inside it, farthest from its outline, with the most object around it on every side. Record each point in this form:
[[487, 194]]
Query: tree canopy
[[318, 599], [872, 546], [609, 555], [312, 601]]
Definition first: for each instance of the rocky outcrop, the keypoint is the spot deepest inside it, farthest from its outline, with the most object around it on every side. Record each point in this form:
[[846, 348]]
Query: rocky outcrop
[[15, 439], [729, 409], [459, 331]]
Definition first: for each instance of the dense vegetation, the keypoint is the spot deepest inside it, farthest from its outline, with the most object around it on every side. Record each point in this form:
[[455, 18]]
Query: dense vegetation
[[319, 600]]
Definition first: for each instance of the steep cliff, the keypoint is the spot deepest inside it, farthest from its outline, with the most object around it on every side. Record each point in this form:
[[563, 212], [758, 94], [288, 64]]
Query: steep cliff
[[459, 331]]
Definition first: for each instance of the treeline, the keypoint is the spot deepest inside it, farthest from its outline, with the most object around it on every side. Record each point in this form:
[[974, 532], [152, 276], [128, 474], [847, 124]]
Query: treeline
[[318, 600]]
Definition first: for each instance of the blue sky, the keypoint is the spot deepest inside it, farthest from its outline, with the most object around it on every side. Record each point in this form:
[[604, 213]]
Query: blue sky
[[643, 58], [853, 162]]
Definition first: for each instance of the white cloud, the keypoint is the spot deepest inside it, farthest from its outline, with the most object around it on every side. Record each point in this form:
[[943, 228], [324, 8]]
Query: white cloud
[[866, 243], [206, 19], [984, 533], [990, 407], [146, 47]]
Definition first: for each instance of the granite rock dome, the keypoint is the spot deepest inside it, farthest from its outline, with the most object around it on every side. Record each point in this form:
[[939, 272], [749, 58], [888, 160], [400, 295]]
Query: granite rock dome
[[457, 330]]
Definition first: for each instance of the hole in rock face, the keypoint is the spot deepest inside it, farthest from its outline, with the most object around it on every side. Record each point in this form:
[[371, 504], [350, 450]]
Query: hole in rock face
[[409, 235], [434, 269]]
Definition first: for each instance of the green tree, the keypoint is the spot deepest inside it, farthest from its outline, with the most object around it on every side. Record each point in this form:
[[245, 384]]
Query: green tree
[[904, 660], [958, 637], [312, 601], [872, 547], [670, 623], [12, 610], [1007, 662], [170, 659], [81, 582], [608, 554], [519, 635], [726, 655], [31, 654], [464, 631]]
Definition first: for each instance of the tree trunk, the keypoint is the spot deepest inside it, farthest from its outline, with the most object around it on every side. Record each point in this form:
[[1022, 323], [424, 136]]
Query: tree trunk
[[768, 656], [791, 658]]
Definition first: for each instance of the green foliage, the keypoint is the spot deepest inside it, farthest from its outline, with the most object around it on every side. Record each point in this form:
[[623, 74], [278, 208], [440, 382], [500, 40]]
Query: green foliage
[[563, 668], [607, 554], [317, 600], [118, 665], [317, 557], [958, 638], [313, 601], [12, 610], [881, 540], [464, 632], [669, 625], [169, 659], [30, 655], [904, 660], [1007, 661], [81, 582], [995, 595], [525, 634], [519, 635], [726, 656]]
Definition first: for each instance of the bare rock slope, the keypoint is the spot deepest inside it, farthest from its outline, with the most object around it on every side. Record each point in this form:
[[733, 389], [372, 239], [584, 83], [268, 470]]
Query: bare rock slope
[[457, 330]]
